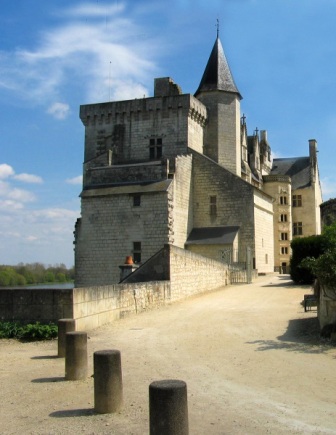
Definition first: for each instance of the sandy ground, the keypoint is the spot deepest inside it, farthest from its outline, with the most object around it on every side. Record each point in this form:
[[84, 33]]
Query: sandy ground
[[251, 357]]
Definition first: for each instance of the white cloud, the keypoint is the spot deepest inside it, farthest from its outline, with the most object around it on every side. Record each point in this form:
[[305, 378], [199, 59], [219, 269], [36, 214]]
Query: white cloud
[[20, 195], [75, 180], [90, 10], [6, 171], [98, 57], [59, 110], [28, 178]]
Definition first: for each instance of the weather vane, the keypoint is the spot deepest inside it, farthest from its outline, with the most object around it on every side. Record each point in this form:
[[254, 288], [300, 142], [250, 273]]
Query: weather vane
[[217, 25]]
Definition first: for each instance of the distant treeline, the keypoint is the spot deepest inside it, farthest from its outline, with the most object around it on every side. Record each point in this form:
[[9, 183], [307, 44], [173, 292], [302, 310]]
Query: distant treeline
[[35, 273]]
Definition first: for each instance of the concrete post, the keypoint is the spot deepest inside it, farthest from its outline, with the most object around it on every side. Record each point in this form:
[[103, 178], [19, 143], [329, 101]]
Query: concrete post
[[64, 326], [108, 388], [168, 408], [76, 361]]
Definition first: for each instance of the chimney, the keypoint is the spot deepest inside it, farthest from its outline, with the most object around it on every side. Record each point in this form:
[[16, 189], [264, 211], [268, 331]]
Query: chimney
[[313, 157], [127, 268], [313, 151], [263, 135]]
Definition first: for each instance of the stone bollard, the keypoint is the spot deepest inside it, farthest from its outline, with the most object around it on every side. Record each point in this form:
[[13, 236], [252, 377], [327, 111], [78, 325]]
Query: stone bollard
[[108, 388], [168, 408], [64, 326], [76, 361]]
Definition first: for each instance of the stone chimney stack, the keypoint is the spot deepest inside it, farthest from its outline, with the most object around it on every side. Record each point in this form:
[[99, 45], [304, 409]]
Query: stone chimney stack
[[313, 157]]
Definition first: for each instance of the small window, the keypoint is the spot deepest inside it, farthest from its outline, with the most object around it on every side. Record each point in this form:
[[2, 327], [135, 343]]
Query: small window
[[283, 200], [284, 250], [137, 252], [266, 258], [136, 200], [284, 236], [297, 229], [213, 205], [283, 218], [297, 200], [155, 148]]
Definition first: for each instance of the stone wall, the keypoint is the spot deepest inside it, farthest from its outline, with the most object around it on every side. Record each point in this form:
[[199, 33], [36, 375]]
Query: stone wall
[[328, 212], [126, 127], [30, 305], [102, 243], [264, 238], [99, 305], [182, 212], [234, 200], [190, 274]]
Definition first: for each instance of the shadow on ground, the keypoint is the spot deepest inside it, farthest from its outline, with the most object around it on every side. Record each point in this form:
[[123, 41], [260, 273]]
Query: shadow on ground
[[302, 335], [47, 380], [73, 413], [285, 281], [45, 357]]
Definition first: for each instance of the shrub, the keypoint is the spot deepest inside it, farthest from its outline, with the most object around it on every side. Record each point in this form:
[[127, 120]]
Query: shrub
[[304, 247], [30, 332]]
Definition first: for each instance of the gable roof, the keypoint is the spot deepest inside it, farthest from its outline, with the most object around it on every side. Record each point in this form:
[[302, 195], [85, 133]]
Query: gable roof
[[217, 75], [212, 235], [297, 168]]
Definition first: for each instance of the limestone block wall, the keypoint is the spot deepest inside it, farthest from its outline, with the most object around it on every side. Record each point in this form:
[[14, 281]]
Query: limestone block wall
[[31, 305], [326, 307], [211, 251], [126, 127], [234, 200], [328, 212], [99, 305], [309, 212], [117, 174], [279, 186], [192, 274], [264, 235], [182, 200], [222, 132], [108, 228]]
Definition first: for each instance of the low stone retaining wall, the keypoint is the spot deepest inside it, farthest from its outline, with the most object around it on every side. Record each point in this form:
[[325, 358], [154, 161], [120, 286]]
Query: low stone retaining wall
[[190, 274], [31, 305]]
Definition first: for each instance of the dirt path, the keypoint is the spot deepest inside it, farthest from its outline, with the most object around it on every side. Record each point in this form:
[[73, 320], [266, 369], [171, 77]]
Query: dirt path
[[251, 357]]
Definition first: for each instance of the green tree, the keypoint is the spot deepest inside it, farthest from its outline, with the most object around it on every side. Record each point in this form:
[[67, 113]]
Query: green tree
[[49, 276]]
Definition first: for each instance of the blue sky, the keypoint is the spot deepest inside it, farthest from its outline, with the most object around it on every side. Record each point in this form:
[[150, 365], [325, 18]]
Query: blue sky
[[56, 55]]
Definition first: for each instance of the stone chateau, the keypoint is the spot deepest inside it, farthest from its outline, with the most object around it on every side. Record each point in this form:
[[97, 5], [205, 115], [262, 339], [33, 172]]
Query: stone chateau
[[181, 170]]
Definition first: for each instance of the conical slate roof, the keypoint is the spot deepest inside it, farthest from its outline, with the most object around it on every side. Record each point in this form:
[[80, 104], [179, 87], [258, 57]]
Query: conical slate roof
[[217, 75]]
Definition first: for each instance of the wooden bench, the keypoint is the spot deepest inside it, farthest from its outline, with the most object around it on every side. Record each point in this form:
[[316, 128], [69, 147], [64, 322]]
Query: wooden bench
[[309, 302]]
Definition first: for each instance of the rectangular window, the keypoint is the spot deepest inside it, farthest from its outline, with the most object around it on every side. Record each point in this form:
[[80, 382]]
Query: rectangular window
[[283, 200], [155, 148], [283, 218], [266, 258], [136, 200], [213, 205], [284, 250], [137, 252], [297, 200], [284, 236], [297, 229]]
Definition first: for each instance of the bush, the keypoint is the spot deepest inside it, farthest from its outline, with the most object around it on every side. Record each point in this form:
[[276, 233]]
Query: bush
[[31, 332], [312, 246]]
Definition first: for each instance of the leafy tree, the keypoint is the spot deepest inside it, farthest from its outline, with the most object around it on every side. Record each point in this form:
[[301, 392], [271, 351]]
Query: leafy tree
[[301, 248]]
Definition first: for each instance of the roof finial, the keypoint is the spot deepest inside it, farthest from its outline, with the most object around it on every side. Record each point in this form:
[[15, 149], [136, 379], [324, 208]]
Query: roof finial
[[217, 25]]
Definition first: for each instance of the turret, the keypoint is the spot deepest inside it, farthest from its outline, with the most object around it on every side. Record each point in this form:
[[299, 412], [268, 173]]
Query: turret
[[219, 93]]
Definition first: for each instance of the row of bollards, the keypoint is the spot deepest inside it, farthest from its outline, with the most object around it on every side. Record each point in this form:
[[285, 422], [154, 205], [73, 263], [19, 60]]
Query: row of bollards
[[168, 407]]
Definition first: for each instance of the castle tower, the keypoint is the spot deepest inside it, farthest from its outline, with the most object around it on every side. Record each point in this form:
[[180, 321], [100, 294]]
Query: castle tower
[[219, 93]]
